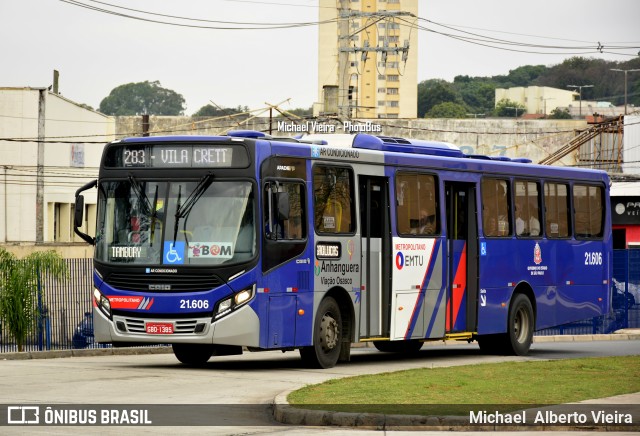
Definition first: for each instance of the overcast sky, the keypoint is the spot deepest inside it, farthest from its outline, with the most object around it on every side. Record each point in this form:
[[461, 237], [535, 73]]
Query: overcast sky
[[96, 51]]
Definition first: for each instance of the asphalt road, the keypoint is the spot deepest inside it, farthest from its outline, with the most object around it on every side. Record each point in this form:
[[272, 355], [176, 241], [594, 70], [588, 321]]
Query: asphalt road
[[241, 387]]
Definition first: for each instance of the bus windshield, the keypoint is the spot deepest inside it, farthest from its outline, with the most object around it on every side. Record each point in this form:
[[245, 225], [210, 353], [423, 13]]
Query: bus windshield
[[203, 222]]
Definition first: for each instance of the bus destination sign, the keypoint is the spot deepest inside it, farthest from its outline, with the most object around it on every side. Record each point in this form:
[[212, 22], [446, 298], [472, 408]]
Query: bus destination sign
[[161, 156]]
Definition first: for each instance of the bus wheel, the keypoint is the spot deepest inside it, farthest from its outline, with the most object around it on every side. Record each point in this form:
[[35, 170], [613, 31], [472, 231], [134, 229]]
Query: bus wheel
[[521, 325], [193, 354], [519, 336], [327, 336], [403, 347]]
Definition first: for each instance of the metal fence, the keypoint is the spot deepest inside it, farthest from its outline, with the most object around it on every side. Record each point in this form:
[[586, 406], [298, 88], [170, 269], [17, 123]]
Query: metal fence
[[63, 318], [625, 310], [65, 321]]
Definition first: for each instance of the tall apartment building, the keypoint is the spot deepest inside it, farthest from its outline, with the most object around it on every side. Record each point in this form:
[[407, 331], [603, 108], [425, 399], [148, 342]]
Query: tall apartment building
[[367, 58]]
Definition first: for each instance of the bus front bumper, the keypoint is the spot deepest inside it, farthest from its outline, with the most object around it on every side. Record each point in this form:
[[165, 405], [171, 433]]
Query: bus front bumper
[[240, 327]]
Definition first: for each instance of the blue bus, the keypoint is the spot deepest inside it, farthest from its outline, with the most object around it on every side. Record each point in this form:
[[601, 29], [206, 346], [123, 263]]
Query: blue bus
[[221, 244]]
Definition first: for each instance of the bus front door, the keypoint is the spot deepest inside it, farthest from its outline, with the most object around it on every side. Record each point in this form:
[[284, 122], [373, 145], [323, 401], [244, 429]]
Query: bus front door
[[462, 249], [376, 272]]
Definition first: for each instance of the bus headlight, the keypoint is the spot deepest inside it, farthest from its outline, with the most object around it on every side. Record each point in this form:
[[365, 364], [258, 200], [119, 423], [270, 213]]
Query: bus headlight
[[102, 302], [234, 301]]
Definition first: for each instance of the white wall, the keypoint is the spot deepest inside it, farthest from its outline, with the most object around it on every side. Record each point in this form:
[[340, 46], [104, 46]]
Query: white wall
[[66, 122]]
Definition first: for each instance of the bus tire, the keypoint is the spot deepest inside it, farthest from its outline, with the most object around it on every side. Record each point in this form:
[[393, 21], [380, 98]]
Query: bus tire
[[520, 326], [327, 336], [403, 347], [193, 354]]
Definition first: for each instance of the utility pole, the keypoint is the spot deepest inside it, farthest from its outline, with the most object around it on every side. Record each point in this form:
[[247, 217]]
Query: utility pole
[[580, 90], [42, 94], [345, 48], [343, 60], [625, 84]]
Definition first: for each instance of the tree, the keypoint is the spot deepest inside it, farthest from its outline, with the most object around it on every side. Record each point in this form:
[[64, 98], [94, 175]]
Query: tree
[[508, 108], [435, 91], [477, 93], [19, 288], [143, 98], [210, 110], [447, 110], [559, 114]]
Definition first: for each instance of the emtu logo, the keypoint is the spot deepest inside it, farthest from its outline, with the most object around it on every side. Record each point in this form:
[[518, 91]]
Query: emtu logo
[[399, 260], [317, 269]]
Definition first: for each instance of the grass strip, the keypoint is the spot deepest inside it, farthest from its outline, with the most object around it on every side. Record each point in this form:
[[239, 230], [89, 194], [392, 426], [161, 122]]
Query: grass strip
[[453, 390]]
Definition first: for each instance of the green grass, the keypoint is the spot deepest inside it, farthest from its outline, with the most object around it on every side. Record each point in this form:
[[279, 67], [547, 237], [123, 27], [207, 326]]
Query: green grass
[[452, 390]]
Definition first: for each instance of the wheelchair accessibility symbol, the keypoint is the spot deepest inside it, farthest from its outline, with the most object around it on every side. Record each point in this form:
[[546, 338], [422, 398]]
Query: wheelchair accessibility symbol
[[174, 253]]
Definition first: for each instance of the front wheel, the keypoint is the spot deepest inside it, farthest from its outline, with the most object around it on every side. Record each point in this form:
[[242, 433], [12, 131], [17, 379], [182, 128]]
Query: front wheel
[[193, 354], [327, 336]]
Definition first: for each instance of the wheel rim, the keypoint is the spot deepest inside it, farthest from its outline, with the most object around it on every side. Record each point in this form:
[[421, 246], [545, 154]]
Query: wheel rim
[[521, 325], [329, 332]]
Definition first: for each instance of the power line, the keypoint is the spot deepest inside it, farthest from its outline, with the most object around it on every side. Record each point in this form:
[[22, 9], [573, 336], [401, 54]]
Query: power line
[[234, 25]]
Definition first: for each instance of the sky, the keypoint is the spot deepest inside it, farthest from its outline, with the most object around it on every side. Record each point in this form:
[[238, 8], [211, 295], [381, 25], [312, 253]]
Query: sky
[[96, 51]]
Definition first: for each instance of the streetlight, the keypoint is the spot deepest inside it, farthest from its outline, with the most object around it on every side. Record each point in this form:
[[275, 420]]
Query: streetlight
[[580, 88], [625, 84]]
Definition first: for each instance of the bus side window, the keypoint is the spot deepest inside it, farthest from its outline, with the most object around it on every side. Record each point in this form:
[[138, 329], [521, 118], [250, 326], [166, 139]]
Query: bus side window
[[416, 204], [284, 211], [333, 199], [588, 212], [556, 202], [495, 207], [527, 208]]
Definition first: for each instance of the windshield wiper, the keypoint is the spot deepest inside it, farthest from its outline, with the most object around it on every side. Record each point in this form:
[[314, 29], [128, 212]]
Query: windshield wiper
[[184, 210], [139, 191], [154, 216]]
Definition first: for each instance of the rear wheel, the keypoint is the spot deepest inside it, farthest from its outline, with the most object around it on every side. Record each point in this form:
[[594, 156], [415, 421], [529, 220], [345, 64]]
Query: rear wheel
[[193, 354], [327, 336], [403, 347], [520, 327]]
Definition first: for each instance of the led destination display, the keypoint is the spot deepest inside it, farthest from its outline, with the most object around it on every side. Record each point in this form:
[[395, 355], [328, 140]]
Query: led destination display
[[177, 156]]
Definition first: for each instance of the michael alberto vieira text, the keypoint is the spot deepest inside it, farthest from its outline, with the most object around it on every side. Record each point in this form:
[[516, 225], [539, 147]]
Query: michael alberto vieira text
[[550, 417]]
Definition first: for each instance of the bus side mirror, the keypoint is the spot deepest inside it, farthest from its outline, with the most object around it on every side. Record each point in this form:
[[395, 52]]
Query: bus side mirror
[[283, 206], [79, 211]]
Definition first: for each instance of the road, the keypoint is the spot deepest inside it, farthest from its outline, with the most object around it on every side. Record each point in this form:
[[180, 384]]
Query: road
[[251, 380]]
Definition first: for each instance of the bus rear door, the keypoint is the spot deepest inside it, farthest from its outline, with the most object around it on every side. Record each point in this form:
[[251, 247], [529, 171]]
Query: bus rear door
[[462, 248]]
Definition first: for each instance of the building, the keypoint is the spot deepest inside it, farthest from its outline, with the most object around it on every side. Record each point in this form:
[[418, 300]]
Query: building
[[49, 147], [625, 194], [542, 100], [538, 99], [367, 61]]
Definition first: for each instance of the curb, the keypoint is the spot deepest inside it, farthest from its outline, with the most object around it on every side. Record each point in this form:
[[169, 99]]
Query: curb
[[56, 354]]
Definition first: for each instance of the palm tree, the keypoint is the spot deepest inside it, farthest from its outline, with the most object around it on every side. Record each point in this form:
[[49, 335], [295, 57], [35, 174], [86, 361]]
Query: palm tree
[[20, 288]]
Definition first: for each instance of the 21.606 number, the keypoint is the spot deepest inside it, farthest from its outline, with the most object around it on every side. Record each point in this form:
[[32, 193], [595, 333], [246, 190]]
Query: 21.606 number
[[194, 304], [593, 258]]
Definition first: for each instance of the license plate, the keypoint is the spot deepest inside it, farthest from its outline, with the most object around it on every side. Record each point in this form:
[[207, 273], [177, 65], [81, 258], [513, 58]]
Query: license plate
[[159, 328]]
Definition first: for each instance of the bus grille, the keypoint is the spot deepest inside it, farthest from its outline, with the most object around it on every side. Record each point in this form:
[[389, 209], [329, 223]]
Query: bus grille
[[185, 327], [177, 283]]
